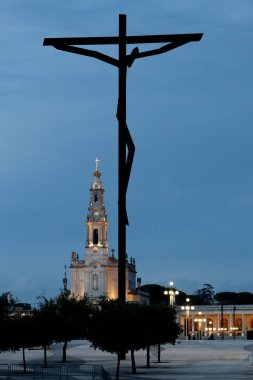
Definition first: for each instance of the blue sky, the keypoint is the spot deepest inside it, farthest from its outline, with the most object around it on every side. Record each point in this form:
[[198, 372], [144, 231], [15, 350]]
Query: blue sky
[[190, 197]]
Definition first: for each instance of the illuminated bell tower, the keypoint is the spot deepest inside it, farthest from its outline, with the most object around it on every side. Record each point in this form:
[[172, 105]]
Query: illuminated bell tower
[[96, 274], [97, 223]]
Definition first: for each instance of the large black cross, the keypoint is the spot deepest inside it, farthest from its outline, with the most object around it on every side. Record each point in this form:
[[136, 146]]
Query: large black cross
[[125, 157]]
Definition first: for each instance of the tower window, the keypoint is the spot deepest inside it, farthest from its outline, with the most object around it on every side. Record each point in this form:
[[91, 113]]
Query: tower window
[[96, 197], [95, 236], [95, 282]]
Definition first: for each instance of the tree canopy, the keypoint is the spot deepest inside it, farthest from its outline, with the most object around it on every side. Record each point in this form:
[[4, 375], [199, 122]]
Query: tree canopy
[[232, 298], [119, 328], [7, 303]]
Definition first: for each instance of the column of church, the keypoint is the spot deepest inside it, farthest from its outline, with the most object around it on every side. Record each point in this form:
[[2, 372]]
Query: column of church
[[193, 323], [103, 234], [230, 322], [89, 278], [243, 323], [218, 323], [206, 327], [86, 281], [104, 287]]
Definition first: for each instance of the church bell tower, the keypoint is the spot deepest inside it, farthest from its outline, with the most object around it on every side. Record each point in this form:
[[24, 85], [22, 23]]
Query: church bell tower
[[97, 223], [97, 274]]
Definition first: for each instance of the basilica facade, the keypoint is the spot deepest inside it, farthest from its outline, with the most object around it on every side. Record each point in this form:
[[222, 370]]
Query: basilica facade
[[96, 274]]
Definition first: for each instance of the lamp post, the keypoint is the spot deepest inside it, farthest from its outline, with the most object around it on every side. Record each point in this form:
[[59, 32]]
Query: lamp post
[[172, 293], [187, 309], [199, 321]]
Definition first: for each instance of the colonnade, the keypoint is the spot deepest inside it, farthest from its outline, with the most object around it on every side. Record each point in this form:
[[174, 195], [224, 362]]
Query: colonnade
[[218, 319]]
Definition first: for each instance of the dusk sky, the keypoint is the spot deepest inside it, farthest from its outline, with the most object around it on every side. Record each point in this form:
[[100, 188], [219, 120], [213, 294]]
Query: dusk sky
[[190, 197]]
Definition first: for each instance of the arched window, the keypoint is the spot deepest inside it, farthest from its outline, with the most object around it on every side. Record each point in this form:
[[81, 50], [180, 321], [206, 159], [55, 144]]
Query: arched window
[[209, 324], [96, 198], [225, 323], [238, 323], [95, 282], [190, 324], [95, 236]]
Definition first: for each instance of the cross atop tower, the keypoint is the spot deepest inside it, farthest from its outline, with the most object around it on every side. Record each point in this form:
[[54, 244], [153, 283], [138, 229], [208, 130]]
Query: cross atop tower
[[97, 161]]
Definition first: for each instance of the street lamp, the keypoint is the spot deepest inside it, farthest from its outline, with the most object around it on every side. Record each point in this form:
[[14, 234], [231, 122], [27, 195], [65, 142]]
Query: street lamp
[[199, 321], [187, 309], [172, 293]]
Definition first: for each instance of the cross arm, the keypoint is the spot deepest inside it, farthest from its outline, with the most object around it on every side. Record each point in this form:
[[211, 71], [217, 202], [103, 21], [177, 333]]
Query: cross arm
[[136, 54], [114, 40], [87, 52]]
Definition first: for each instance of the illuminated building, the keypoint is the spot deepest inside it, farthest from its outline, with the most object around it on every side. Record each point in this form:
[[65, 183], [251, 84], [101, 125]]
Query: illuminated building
[[96, 274], [226, 320]]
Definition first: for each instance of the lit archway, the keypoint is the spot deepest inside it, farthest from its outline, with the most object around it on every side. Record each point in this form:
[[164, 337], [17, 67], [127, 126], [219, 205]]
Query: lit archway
[[225, 324], [238, 323], [209, 325]]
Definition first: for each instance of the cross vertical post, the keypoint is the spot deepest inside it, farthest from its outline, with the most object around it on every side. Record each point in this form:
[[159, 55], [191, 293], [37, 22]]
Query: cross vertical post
[[121, 115]]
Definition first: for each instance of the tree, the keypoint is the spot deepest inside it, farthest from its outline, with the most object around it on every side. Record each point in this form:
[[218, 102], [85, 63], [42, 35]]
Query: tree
[[16, 332], [158, 326], [7, 303], [108, 328], [19, 332], [47, 322], [62, 319], [25, 335], [73, 319], [156, 293], [180, 298], [244, 298], [226, 298], [58, 319], [232, 298], [119, 328], [205, 295], [157, 296]]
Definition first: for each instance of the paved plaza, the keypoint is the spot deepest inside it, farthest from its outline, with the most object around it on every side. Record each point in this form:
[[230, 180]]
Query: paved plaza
[[227, 359]]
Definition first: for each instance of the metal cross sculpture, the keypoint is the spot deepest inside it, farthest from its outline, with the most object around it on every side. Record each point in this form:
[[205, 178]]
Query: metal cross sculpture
[[126, 146]]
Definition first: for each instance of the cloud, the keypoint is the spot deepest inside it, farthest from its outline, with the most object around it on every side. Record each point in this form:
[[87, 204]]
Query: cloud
[[244, 201]]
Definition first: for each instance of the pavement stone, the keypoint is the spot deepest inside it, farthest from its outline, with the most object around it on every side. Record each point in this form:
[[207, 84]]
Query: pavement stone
[[207, 360]]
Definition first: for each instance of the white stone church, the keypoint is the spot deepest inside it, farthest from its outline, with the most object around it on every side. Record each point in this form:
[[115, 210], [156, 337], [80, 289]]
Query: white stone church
[[96, 274]]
